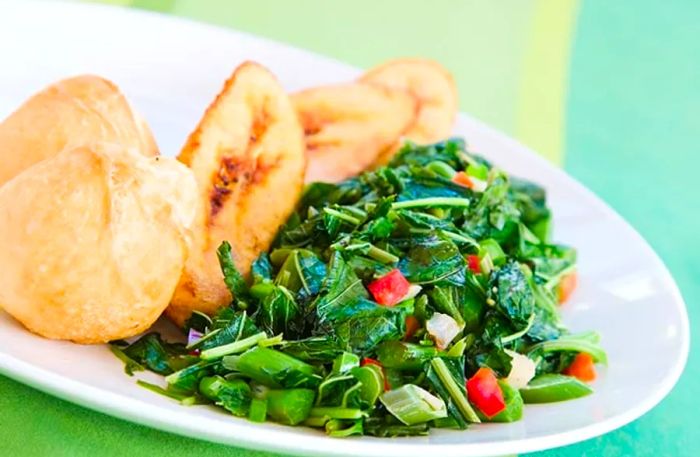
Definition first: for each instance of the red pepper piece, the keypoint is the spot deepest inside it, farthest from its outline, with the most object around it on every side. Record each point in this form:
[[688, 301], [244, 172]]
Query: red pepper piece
[[370, 361], [582, 368], [485, 393], [474, 263], [566, 286], [412, 325], [390, 288], [463, 179]]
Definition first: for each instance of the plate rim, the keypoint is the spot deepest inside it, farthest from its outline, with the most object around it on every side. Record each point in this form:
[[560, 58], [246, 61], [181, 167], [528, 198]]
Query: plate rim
[[133, 410]]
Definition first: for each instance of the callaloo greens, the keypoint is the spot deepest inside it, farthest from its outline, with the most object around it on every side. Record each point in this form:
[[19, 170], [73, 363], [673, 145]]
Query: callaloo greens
[[420, 295]]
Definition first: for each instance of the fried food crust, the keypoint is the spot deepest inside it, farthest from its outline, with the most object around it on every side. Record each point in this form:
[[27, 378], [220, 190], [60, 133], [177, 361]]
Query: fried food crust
[[93, 241], [247, 154], [434, 90], [69, 113], [349, 126]]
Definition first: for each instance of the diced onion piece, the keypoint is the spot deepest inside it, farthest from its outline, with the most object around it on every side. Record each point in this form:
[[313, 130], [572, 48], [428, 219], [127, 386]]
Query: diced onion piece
[[522, 370], [478, 185], [443, 329], [413, 291], [193, 336]]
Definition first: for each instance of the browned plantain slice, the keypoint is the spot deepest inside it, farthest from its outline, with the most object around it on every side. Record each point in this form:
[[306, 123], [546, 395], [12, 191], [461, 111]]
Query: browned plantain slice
[[69, 113], [433, 88], [247, 154], [348, 126]]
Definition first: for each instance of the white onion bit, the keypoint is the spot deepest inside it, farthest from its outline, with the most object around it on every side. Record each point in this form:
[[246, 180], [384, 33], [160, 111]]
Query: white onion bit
[[193, 336], [522, 370], [443, 329]]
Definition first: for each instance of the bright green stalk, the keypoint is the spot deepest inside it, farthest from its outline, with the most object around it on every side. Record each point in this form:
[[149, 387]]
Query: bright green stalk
[[431, 201], [455, 393], [233, 348], [335, 412], [290, 406], [276, 369], [342, 216]]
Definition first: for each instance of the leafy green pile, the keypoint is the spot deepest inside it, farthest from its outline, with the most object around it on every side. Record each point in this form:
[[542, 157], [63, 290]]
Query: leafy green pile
[[304, 342]]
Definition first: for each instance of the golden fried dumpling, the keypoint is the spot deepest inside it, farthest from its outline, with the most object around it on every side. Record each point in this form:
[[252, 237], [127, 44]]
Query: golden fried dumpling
[[93, 241], [71, 112]]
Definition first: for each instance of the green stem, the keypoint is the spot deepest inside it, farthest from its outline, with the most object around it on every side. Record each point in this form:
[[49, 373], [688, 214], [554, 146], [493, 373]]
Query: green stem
[[574, 343], [276, 369], [319, 421], [233, 348], [460, 238], [441, 168], [334, 427], [457, 396], [130, 365], [272, 341], [328, 382], [258, 410], [290, 406], [356, 211], [342, 216], [334, 412], [381, 255], [357, 387], [431, 201], [373, 252], [162, 391]]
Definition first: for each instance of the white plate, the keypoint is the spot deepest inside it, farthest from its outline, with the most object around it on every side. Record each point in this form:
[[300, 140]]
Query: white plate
[[171, 69]]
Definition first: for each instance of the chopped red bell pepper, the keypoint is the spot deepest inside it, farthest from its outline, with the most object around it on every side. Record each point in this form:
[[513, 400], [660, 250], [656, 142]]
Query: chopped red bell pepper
[[582, 368], [463, 179], [474, 263], [390, 288], [485, 393], [566, 286], [412, 325], [370, 361]]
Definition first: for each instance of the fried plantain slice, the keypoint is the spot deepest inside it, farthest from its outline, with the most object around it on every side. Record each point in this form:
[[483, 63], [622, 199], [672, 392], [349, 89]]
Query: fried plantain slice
[[348, 126], [69, 113], [434, 90], [247, 154]]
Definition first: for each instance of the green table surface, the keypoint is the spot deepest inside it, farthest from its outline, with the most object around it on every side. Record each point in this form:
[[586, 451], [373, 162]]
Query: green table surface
[[608, 89]]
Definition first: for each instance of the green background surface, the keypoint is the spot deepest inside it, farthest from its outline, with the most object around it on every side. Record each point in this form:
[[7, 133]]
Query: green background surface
[[608, 89]]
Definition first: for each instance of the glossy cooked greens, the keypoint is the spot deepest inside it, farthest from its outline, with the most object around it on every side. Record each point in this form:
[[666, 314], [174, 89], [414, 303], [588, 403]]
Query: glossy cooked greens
[[305, 342]]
